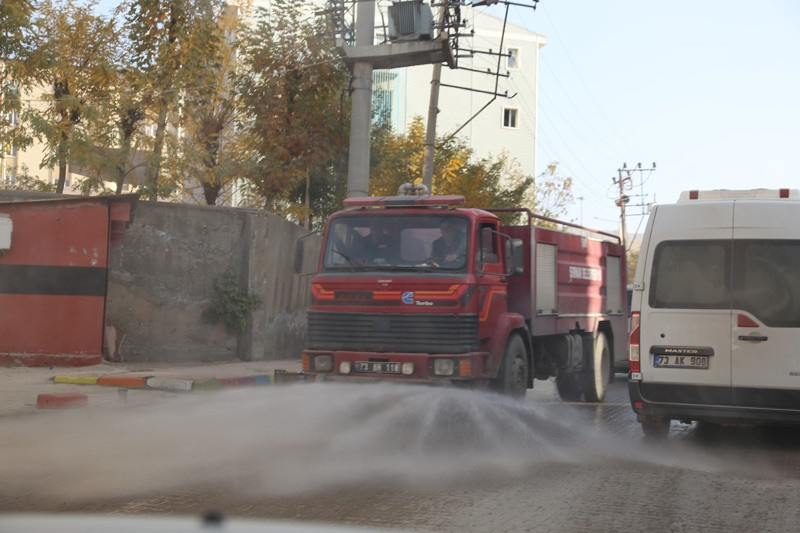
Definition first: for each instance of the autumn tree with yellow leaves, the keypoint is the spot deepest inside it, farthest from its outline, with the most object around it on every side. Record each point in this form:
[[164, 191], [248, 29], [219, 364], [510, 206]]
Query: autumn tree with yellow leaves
[[484, 182]]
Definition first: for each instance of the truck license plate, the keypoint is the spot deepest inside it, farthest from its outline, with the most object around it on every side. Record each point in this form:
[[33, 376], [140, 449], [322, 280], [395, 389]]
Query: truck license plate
[[680, 361], [377, 367]]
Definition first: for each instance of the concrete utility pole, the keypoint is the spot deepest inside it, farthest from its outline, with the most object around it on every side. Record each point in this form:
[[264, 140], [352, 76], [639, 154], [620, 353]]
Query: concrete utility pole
[[430, 132], [362, 56], [433, 113], [361, 102], [621, 202]]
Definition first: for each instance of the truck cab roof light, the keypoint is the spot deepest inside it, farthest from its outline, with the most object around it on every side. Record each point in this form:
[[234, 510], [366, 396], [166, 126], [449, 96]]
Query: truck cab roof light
[[425, 200]]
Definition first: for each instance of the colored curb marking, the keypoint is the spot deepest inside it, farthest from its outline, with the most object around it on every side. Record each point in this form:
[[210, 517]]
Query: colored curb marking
[[76, 380], [206, 384], [63, 400], [237, 382], [122, 381], [170, 384]]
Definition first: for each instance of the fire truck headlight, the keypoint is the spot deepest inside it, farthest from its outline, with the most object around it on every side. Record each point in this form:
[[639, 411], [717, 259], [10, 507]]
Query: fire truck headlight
[[443, 367], [323, 363], [345, 367], [407, 369]]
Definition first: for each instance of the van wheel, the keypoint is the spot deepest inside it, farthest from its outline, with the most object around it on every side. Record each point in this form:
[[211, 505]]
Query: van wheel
[[598, 371], [655, 427], [513, 378], [568, 387]]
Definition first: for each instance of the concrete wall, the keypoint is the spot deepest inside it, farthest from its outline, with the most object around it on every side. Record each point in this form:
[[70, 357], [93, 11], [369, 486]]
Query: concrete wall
[[161, 280]]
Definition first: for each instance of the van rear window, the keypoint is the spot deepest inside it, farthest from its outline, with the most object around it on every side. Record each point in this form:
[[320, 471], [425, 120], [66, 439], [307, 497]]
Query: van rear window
[[691, 275], [766, 277], [763, 279]]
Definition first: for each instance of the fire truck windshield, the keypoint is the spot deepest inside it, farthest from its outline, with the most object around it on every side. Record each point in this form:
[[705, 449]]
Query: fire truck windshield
[[397, 242]]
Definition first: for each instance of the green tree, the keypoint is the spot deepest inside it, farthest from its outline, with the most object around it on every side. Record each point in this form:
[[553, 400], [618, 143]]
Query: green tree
[[119, 138], [212, 149], [15, 35], [552, 193], [170, 44], [291, 89], [633, 260], [71, 47]]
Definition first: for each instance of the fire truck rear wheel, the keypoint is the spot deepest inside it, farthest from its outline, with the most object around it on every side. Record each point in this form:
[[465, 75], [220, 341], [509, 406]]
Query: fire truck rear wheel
[[513, 378], [598, 371]]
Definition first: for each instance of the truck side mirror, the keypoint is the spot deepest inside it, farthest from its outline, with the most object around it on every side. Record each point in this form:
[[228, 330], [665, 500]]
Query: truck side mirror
[[515, 259]]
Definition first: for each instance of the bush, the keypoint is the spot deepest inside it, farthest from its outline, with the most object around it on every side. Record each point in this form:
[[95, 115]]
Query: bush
[[231, 304]]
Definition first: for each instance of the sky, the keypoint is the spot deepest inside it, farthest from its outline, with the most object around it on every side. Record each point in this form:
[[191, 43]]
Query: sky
[[709, 90]]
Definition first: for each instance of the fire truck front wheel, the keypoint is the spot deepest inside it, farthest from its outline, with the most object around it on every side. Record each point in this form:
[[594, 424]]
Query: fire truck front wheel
[[513, 377]]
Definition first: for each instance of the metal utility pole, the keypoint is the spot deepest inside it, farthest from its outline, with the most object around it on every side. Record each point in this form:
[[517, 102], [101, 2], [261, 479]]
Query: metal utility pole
[[361, 111], [626, 182]]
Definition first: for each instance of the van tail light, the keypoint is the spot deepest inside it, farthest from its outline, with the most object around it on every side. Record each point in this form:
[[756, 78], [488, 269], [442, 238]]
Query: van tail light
[[784, 193], [694, 195], [633, 344]]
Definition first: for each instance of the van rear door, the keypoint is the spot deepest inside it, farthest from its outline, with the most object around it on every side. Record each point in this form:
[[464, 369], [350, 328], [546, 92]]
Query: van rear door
[[686, 309], [766, 307]]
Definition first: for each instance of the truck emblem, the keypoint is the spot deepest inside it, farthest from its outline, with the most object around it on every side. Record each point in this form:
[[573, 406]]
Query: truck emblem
[[408, 297]]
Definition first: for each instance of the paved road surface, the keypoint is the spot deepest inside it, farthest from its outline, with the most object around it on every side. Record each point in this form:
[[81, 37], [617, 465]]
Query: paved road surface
[[557, 467]]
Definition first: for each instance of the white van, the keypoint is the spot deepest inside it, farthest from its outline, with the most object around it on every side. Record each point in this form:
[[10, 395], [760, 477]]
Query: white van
[[715, 316]]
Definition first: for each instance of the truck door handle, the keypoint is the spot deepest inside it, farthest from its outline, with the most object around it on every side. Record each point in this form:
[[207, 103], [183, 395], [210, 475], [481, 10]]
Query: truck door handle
[[752, 337]]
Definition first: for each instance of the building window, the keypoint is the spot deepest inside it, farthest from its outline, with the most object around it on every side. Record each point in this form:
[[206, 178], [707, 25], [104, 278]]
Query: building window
[[512, 61], [383, 96], [510, 117]]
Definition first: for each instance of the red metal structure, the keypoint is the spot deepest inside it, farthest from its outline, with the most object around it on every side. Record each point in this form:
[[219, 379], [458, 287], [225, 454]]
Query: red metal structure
[[53, 272], [398, 296]]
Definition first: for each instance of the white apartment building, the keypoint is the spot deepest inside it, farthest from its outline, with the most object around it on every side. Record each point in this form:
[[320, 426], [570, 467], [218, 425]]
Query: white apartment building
[[507, 124]]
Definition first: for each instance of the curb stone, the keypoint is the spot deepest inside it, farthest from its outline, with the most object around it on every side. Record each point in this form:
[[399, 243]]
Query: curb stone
[[183, 384], [63, 400]]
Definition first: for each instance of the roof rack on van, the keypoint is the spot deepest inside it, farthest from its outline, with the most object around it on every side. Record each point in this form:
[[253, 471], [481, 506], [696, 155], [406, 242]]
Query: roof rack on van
[[746, 194]]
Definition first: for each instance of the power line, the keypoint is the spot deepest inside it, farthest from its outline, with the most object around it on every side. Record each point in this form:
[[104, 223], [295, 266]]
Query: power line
[[585, 86]]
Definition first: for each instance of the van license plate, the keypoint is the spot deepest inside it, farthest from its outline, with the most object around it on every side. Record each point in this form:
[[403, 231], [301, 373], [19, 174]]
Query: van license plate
[[680, 361], [377, 367]]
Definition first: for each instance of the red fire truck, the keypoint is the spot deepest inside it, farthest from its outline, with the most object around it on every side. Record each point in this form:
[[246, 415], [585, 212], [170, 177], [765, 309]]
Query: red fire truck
[[416, 289]]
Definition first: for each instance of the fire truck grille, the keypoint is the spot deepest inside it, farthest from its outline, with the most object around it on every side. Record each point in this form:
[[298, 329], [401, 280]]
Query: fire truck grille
[[384, 332]]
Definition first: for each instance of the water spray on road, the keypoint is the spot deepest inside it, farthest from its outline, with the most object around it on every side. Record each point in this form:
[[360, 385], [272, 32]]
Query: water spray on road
[[290, 440]]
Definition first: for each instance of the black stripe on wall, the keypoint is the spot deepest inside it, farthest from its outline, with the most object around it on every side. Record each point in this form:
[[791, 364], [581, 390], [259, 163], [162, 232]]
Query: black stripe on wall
[[63, 280]]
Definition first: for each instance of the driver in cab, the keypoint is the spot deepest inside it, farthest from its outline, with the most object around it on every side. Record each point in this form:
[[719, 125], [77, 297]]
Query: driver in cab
[[449, 250]]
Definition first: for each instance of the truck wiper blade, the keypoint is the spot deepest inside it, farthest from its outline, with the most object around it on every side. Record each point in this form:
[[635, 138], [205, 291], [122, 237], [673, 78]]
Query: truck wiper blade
[[350, 260]]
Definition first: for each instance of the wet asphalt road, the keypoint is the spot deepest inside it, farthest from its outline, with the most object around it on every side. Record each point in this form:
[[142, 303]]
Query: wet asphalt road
[[608, 478]]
